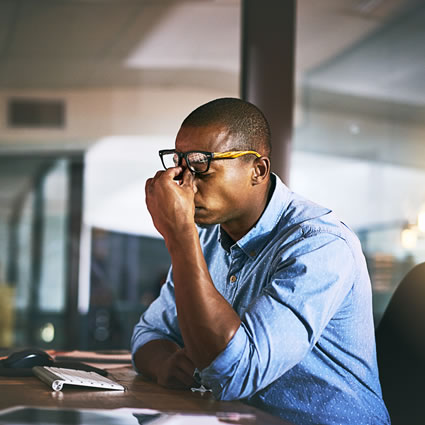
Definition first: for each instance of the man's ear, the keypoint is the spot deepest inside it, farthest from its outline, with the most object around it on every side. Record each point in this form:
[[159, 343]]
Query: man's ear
[[260, 170]]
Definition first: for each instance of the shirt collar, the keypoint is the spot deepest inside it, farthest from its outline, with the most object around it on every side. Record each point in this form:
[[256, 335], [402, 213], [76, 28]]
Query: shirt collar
[[254, 240]]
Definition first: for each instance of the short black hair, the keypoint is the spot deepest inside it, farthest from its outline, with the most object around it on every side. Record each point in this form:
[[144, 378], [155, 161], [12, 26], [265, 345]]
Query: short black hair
[[245, 122]]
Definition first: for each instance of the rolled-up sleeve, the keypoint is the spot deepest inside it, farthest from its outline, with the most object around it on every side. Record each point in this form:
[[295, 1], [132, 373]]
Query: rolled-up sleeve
[[159, 321], [308, 283]]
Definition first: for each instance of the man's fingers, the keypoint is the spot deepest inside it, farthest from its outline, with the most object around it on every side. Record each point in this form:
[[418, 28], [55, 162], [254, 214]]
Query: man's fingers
[[187, 179], [184, 367], [184, 378], [148, 185], [174, 172], [178, 371], [187, 366], [171, 173]]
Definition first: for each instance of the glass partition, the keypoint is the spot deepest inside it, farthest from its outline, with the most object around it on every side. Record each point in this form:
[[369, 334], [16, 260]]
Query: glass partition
[[34, 248], [358, 141]]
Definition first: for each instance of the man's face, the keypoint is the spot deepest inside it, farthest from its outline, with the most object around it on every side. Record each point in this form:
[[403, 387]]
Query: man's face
[[222, 194]]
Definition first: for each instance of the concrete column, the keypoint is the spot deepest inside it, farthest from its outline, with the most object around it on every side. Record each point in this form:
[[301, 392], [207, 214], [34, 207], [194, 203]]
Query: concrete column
[[267, 71]]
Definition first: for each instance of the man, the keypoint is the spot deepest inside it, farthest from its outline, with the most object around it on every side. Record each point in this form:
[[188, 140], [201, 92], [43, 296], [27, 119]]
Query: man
[[269, 300]]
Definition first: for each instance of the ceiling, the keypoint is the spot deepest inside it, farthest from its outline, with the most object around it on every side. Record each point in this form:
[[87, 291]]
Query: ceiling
[[52, 44], [55, 44], [388, 63]]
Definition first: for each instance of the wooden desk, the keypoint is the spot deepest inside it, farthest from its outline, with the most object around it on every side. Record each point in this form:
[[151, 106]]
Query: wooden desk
[[30, 391]]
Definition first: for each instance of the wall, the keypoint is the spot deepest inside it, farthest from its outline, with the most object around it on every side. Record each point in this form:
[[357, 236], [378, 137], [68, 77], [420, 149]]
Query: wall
[[97, 113]]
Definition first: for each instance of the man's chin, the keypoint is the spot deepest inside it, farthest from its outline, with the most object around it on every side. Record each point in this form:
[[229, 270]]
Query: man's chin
[[201, 217]]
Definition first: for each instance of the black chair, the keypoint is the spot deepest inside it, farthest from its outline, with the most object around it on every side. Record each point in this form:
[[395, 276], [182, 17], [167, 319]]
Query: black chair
[[400, 341]]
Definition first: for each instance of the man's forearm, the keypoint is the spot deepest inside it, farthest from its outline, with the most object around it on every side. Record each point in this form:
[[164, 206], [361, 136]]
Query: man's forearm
[[207, 321], [150, 357], [166, 363]]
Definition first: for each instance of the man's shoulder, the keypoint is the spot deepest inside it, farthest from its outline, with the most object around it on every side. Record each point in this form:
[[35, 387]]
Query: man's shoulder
[[307, 214], [307, 218], [293, 209]]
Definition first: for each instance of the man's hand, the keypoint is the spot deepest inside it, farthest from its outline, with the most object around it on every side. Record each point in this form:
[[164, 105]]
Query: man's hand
[[166, 363], [177, 371], [170, 202]]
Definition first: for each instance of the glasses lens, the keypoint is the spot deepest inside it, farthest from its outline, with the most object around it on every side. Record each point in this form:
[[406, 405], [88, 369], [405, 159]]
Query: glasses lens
[[198, 162], [170, 160]]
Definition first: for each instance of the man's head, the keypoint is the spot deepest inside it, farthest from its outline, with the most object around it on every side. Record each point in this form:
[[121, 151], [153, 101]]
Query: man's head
[[245, 123], [233, 192]]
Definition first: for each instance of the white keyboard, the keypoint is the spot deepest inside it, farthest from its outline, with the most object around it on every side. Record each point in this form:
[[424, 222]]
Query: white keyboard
[[57, 377]]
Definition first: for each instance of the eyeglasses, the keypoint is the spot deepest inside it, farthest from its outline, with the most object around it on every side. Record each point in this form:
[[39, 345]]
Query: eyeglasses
[[198, 161]]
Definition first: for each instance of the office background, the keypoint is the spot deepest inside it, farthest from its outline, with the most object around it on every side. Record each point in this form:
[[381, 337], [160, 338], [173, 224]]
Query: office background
[[91, 90]]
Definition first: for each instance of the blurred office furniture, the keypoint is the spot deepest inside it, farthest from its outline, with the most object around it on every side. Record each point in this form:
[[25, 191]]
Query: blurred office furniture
[[386, 272], [386, 261], [41, 215], [7, 312], [40, 220], [400, 339], [126, 274]]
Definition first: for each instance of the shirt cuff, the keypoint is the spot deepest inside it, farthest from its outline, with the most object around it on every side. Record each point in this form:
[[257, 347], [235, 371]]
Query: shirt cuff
[[219, 373]]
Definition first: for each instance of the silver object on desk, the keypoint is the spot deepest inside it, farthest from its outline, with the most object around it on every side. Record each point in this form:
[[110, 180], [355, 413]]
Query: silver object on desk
[[57, 377]]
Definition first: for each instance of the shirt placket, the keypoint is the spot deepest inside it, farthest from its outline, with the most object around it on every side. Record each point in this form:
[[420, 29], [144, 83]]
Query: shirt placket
[[234, 273]]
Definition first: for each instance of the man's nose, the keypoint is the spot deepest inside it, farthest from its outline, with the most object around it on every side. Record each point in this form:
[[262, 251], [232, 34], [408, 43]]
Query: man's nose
[[183, 164]]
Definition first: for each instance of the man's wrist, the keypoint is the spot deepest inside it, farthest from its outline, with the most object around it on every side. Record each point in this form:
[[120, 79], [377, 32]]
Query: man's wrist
[[184, 237]]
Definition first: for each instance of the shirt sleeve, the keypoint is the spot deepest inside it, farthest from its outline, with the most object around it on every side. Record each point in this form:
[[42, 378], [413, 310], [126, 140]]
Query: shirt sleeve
[[159, 321], [282, 324]]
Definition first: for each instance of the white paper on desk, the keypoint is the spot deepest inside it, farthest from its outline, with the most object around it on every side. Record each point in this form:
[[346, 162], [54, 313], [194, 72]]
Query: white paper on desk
[[28, 415], [180, 419], [222, 418], [192, 419]]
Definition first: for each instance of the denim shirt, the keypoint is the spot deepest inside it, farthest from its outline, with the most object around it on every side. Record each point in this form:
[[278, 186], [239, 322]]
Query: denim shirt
[[305, 349]]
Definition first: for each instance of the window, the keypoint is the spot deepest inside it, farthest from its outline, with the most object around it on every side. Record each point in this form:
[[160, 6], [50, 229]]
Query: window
[[358, 141]]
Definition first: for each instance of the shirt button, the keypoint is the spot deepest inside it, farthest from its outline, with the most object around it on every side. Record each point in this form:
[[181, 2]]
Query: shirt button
[[233, 278]]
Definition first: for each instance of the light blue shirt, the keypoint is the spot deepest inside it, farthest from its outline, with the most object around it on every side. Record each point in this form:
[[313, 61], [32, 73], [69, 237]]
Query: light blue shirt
[[305, 349]]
